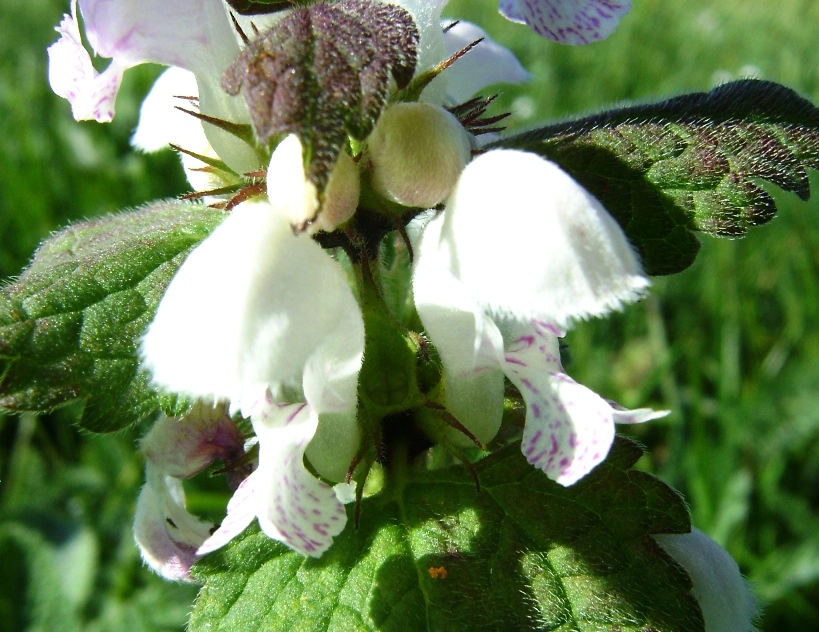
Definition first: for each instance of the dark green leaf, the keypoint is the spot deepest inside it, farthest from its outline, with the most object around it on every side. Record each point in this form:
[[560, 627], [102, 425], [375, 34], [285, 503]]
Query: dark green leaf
[[322, 73], [70, 324], [432, 553], [689, 163]]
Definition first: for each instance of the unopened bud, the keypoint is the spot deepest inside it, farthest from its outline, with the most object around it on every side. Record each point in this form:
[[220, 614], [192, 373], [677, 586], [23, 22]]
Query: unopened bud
[[417, 152], [340, 196], [289, 189]]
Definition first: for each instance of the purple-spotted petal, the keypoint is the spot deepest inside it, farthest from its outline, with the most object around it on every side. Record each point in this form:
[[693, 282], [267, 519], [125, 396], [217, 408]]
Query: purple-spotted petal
[[167, 535], [241, 510], [569, 428], [511, 11], [486, 64], [573, 22], [293, 506]]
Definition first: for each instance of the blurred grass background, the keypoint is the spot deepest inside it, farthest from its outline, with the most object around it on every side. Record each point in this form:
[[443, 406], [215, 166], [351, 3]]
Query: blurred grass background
[[730, 346]]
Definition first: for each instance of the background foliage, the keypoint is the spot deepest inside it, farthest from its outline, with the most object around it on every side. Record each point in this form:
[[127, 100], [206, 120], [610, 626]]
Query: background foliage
[[730, 345]]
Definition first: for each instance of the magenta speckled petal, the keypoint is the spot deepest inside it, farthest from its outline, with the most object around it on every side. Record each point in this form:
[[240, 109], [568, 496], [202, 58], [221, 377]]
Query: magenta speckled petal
[[293, 506], [573, 22], [569, 428]]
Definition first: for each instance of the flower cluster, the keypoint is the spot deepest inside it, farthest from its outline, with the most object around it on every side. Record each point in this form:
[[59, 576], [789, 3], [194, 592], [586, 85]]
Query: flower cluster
[[273, 324]]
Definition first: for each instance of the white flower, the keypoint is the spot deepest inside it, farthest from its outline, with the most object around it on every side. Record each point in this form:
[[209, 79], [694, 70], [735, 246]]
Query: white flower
[[567, 21], [520, 252], [266, 320], [177, 448], [486, 64], [726, 602], [192, 34]]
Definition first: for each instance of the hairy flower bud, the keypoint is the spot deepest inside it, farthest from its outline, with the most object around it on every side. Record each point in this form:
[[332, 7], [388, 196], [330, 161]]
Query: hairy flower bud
[[416, 153]]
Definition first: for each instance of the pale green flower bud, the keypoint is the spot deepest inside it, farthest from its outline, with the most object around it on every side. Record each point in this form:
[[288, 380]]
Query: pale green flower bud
[[416, 153]]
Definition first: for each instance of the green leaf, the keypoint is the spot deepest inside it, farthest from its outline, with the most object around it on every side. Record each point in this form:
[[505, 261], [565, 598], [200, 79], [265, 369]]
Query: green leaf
[[689, 163], [70, 324], [32, 597], [323, 72], [432, 553]]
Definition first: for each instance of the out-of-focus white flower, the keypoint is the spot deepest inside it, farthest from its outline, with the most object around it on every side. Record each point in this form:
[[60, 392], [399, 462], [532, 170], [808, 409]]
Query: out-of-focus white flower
[[486, 64], [726, 602], [192, 34], [162, 123], [520, 252], [178, 448], [567, 21]]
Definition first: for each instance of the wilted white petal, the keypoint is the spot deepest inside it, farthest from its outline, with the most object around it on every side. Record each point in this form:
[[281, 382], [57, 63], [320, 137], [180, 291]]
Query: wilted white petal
[[293, 506], [726, 602], [167, 535], [569, 428], [486, 64], [468, 342], [182, 447], [567, 21], [246, 310], [345, 492], [528, 242]]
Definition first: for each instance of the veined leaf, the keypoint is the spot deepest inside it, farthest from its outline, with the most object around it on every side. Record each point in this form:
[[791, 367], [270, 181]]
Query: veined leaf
[[689, 163], [70, 324], [432, 553]]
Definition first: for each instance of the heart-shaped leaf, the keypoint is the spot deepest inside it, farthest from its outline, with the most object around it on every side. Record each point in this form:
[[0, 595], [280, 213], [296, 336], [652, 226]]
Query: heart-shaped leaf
[[432, 553]]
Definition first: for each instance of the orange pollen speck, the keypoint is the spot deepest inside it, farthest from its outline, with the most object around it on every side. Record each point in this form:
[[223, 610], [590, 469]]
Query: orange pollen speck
[[437, 572]]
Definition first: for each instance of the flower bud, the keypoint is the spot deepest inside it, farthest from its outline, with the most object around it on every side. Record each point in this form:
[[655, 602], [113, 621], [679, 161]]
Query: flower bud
[[340, 196], [417, 152], [289, 189]]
